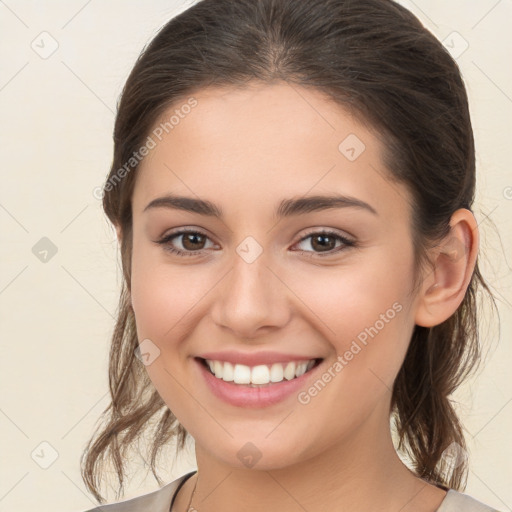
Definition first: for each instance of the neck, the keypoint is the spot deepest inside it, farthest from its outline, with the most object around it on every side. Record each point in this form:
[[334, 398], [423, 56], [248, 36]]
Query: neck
[[362, 472]]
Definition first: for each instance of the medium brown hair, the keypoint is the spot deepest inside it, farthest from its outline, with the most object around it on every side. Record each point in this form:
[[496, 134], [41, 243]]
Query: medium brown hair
[[377, 60]]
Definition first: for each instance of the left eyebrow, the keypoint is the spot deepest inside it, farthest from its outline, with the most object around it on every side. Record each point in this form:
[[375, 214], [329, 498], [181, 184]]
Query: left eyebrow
[[286, 208], [289, 207]]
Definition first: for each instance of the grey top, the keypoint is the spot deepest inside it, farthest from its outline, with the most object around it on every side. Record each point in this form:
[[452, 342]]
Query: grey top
[[162, 499]]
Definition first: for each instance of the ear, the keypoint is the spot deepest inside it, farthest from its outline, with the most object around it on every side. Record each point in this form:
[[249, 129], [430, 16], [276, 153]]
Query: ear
[[444, 286]]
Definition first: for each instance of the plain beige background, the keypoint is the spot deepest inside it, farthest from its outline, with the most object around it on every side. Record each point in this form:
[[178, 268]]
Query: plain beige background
[[63, 65]]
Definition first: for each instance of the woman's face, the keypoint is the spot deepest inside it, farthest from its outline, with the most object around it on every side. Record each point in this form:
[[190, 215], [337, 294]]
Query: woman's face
[[254, 281]]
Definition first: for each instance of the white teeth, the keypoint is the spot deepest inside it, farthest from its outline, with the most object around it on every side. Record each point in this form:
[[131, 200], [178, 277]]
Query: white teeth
[[289, 371], [276, 372], [242, 374], [217, 369], [228, 372], [301, 369], [261, 374]]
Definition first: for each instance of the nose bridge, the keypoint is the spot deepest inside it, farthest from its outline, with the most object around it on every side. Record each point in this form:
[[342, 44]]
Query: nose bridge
[[251, 297]]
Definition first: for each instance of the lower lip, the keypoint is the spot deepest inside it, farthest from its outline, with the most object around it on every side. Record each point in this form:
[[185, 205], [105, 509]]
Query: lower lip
[[245, 396]]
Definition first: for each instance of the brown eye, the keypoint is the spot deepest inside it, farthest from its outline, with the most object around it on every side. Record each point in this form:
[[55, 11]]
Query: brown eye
[[324, 243], [193, 242]]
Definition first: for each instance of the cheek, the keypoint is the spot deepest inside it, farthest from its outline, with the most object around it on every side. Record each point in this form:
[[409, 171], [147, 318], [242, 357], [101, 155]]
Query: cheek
[[353, 297], [152, 299], [363, 314], [163, 299], [164, 296], [363, 310]]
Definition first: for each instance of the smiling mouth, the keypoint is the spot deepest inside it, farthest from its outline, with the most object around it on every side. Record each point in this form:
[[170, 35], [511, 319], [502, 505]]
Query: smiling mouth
[[261, 375]]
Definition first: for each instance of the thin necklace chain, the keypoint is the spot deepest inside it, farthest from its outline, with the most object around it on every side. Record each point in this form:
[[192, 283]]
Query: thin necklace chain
[[192, 495]]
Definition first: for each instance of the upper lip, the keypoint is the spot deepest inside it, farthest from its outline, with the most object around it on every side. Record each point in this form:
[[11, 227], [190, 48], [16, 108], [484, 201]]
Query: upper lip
[[255, 358]]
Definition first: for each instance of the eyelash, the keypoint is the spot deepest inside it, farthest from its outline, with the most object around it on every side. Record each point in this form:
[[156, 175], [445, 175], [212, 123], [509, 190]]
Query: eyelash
[[346, 243]]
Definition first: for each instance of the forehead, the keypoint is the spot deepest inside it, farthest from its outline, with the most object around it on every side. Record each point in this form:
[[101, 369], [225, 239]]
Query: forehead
[[249, 146]]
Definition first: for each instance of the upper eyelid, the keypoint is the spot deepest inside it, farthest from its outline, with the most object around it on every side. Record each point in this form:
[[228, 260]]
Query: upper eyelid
[[184, 231]]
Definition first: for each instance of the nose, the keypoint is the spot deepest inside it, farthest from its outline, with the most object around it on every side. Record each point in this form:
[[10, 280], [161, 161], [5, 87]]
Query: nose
[[252, 299]]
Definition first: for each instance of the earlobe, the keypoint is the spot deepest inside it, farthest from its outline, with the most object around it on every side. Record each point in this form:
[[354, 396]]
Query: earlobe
[[445, 285]]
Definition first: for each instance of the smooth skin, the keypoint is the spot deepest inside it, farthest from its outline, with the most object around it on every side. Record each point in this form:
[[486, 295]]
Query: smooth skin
[[245, 150]]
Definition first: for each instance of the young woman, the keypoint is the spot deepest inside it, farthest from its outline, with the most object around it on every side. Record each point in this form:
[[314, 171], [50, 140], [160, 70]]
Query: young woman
[[292, 188]]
